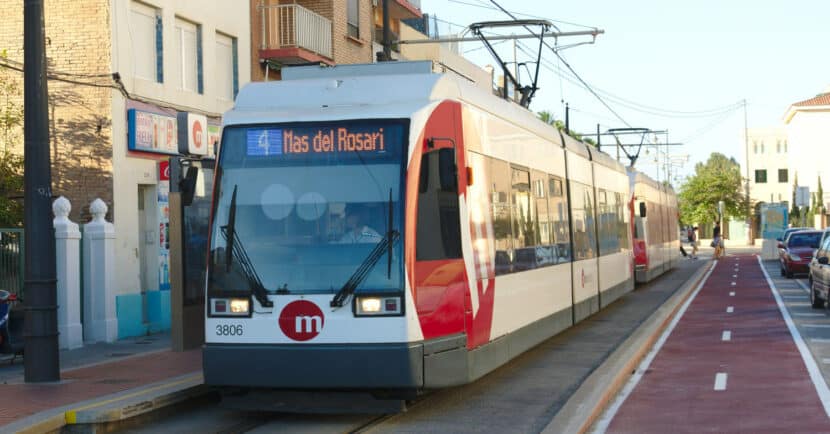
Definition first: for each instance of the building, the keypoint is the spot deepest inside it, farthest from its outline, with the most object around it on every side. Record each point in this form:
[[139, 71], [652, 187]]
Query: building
[[770, 176], [808, 126], [126, 79], [296, 32]]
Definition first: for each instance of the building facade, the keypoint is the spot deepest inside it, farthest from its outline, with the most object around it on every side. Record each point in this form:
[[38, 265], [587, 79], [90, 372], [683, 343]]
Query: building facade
[[296, 32], [808, 128], [138, 82], [770, 176]]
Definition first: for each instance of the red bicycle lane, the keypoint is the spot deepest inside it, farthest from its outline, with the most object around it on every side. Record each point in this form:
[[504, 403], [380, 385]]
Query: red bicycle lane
[[729, 365]]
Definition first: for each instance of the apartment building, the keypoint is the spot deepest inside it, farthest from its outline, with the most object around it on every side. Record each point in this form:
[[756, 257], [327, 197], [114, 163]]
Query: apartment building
[[808, 126], [770, 175], [296, 32], [132, 83]]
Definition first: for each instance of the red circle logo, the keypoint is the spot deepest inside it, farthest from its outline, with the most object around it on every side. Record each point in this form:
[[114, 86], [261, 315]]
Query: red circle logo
[[197, 134], [301, 320]]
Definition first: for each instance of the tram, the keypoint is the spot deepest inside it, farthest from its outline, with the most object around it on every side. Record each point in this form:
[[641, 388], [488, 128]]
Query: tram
[[654, 227], [388, 228]]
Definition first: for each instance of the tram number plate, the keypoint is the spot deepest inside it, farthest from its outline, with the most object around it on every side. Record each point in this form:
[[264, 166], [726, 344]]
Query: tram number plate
[[229, 330]]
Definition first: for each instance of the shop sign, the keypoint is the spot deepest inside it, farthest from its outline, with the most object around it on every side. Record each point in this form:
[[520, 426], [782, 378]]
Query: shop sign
[[151, 132], [193, 134], [214, 136]]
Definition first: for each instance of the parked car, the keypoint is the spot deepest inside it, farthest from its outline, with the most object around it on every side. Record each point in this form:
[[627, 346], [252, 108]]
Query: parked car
[[788, 231], [820, 274], [796, 252]]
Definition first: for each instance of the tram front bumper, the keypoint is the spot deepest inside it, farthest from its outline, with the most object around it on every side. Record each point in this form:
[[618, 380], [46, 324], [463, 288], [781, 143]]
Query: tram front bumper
[[322, 366]]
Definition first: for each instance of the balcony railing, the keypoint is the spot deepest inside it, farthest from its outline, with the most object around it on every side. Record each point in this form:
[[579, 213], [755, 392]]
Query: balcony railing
[[293, 26]]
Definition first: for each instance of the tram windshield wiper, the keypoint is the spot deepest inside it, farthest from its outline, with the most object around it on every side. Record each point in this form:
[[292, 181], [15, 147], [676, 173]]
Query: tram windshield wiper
[[362, 272], [236, 251]]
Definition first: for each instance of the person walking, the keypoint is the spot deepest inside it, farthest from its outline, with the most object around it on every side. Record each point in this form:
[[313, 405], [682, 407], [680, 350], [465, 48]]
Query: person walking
[[693, 241], [717, 241]]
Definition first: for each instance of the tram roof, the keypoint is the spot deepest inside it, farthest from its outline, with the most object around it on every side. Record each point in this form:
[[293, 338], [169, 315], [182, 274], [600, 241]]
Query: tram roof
[[386, 90]]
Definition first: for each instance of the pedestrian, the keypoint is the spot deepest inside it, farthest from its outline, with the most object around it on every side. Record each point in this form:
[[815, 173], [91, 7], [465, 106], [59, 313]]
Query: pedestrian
[[717, 241], [693, 241]]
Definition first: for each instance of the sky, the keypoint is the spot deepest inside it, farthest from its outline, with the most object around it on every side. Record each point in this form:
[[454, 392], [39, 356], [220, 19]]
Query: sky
[[680, 66]]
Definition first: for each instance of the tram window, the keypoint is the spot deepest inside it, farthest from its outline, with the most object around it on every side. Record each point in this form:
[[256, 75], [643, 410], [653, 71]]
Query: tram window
[[439, 231], [560, 227], [623, 222], [607, 219], [525, 222], [584, 222], [499, 184]]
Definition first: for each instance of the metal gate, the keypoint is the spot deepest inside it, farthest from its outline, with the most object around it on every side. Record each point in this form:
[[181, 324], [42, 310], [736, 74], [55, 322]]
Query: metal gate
[[11, 260]]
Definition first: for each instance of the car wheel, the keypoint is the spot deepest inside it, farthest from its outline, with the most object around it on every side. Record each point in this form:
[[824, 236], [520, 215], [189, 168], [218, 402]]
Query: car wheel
[[815, 300]]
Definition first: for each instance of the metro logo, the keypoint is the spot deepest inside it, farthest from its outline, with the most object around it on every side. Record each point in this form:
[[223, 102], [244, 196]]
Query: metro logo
[[301, 320]]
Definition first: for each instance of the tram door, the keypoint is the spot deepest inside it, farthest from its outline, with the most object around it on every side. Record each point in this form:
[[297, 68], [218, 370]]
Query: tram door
[[191, 187]]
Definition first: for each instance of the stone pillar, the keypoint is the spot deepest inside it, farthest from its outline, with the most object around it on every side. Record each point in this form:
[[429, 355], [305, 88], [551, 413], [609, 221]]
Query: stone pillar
[[100, 322], [68, 268]]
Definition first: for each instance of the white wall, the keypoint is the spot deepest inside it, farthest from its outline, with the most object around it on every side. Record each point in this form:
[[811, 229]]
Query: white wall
[[809, 138], [770, 159], [230, 18]]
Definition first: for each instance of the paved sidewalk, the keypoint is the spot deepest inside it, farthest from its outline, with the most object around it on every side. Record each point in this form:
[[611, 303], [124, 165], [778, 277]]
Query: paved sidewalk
[[98, 383]]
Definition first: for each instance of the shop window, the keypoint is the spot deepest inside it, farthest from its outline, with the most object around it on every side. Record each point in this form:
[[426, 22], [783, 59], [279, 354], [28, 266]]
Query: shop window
[[146, 39], [353, 18], [227, 70], [188, 57]]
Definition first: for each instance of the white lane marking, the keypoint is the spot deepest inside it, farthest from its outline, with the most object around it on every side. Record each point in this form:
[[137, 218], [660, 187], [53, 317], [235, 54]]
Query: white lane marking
[[825, 361], [799, 303], [808, 314], [733, 284], [809, 361], [734, 275], [820, 340], [732, 293], [793, 297], [730, 309], [611, 411], [720, 381], [726, 336], [803, 286], [817, 326]]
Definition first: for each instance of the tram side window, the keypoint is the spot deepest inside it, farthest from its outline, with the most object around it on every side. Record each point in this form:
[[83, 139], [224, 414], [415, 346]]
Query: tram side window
[[500, 215], [439, 231], [584, 222], [623, 222], [560, 228], [525, 223]]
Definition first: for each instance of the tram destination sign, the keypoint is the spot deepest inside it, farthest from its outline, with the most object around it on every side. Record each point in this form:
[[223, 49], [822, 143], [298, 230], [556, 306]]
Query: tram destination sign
[[320, 141]]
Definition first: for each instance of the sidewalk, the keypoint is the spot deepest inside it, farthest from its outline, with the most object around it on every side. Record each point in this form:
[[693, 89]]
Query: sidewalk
[[99, 383]]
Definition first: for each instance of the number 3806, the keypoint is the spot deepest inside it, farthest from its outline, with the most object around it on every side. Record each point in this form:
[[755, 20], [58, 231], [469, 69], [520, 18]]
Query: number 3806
[[229, 330]]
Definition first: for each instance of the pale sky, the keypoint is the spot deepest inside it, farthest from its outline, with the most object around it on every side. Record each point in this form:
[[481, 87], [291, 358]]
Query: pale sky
[[674, 57]]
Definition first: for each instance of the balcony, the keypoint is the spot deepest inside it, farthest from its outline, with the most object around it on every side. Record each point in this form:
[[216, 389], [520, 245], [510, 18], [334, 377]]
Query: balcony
[[292, 34]]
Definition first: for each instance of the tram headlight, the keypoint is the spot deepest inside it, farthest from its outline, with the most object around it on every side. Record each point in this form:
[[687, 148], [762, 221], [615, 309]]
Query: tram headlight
[[240, 306], [377, 305]]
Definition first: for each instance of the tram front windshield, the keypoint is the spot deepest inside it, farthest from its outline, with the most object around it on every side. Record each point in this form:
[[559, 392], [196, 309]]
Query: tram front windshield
[[303, 208]]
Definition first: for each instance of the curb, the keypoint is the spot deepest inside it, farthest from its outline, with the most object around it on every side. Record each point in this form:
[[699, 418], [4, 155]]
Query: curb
[[589, 401], [114, 408]]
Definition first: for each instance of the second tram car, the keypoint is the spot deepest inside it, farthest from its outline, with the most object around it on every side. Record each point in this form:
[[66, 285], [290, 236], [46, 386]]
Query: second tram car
[[654, 226], [386, 228]]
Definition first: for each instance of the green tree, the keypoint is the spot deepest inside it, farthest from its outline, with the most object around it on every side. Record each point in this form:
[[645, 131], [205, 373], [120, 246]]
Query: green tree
[[11, 134], [719, 179], [820, 198], [795, 212]]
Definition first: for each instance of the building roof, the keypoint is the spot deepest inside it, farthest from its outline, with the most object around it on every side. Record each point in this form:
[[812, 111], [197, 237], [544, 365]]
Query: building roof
[[822, 99]]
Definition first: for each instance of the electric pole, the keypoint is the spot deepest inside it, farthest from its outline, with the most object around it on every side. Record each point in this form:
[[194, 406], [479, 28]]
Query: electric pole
[[750, 238], [40, 334]]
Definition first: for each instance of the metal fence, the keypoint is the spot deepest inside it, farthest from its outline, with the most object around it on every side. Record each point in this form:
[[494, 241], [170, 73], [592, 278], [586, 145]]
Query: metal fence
[[11, 260]]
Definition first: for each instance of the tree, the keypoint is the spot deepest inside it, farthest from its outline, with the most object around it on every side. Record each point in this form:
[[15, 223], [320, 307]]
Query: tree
[[11, 165], [719, 179], [795, 212], [820, 198]]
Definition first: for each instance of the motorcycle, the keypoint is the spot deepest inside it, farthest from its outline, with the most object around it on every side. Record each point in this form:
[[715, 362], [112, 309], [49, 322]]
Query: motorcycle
[[11, 326]]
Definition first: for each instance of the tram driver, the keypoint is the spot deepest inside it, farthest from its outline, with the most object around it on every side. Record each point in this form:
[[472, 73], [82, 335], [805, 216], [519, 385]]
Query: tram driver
[[357, 229]]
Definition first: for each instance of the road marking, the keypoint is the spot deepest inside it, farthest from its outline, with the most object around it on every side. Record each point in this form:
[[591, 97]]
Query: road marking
[[817, 326], [733, 283], [720, 381], [820, 340], [730, 309], [825, 361], [608, 416], [735, 276], [808, 314], [799, 303], [809, 361], [803, 286], [794, 297], [726, 336], [732, 293]]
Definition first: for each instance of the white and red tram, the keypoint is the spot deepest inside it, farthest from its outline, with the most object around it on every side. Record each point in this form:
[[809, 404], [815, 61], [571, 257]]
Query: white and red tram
[[654, 226], [383, 227]]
